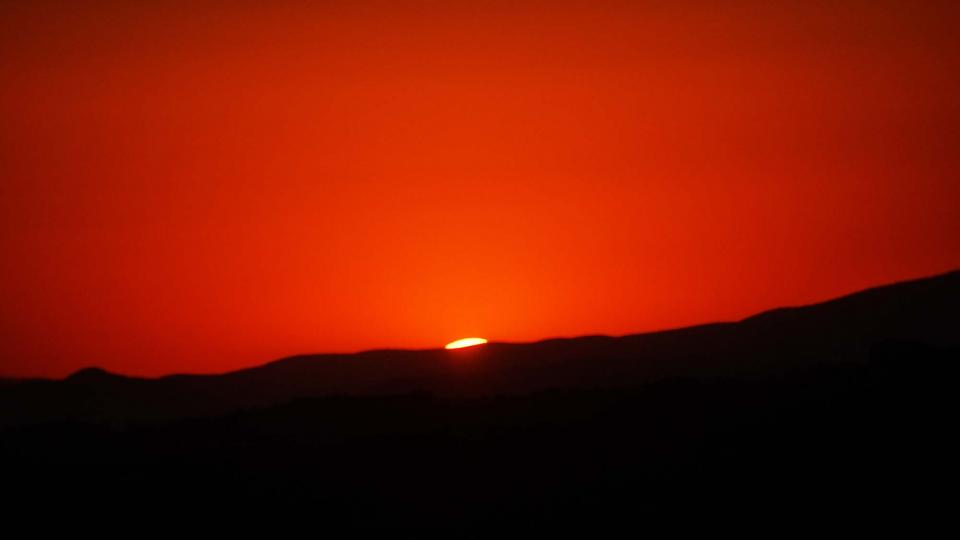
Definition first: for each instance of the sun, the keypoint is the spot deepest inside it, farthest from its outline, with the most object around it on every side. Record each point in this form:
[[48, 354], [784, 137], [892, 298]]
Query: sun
[[465, 342]]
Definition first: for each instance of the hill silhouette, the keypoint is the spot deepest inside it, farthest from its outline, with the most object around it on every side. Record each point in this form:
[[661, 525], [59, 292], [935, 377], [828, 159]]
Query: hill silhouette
[[843, 408], [840, 330]]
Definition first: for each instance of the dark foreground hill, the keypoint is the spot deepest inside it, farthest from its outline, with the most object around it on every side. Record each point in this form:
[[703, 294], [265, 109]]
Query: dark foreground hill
[[843, 330], [842, 408]]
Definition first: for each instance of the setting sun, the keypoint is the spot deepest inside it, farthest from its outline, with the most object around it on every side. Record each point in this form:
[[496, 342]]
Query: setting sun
[[465, 342]]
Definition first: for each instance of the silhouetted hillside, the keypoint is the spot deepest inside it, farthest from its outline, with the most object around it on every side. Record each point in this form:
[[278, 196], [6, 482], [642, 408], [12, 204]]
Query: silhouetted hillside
[[849, 440], [839, 409], [841, 330]]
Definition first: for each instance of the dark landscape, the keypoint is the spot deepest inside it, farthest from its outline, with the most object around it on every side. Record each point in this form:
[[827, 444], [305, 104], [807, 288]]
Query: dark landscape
[[847, 405], [565, 267]]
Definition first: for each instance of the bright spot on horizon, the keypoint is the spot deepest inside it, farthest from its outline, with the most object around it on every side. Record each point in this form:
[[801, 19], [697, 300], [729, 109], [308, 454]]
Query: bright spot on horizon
[[465, 342]]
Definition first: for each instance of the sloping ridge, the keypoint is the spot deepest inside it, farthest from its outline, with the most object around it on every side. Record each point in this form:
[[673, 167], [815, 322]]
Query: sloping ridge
[[839, 330], [924, 308]]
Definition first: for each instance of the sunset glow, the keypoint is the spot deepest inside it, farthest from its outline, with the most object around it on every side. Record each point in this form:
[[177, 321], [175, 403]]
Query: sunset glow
[[465, 342], [206, 186]]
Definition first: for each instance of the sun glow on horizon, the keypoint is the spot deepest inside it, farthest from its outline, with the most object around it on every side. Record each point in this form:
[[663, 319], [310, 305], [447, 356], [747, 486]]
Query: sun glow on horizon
[[465, 342]]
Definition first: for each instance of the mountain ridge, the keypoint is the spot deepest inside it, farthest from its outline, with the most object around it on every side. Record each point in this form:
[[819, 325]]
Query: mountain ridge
[[840, 330], [953, 275]]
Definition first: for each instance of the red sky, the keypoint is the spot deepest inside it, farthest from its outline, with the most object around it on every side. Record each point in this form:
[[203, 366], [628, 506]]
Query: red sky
[[201, 186]]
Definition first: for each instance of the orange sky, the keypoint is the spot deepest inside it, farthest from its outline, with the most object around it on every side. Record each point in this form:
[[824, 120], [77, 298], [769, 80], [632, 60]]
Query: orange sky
[[201, 186]]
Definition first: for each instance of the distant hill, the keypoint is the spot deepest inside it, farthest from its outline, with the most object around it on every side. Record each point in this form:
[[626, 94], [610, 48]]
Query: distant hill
[[840, 411], [923, 311]]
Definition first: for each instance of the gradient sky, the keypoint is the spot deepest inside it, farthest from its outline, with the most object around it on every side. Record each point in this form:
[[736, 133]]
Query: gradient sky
[[201, 186]]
